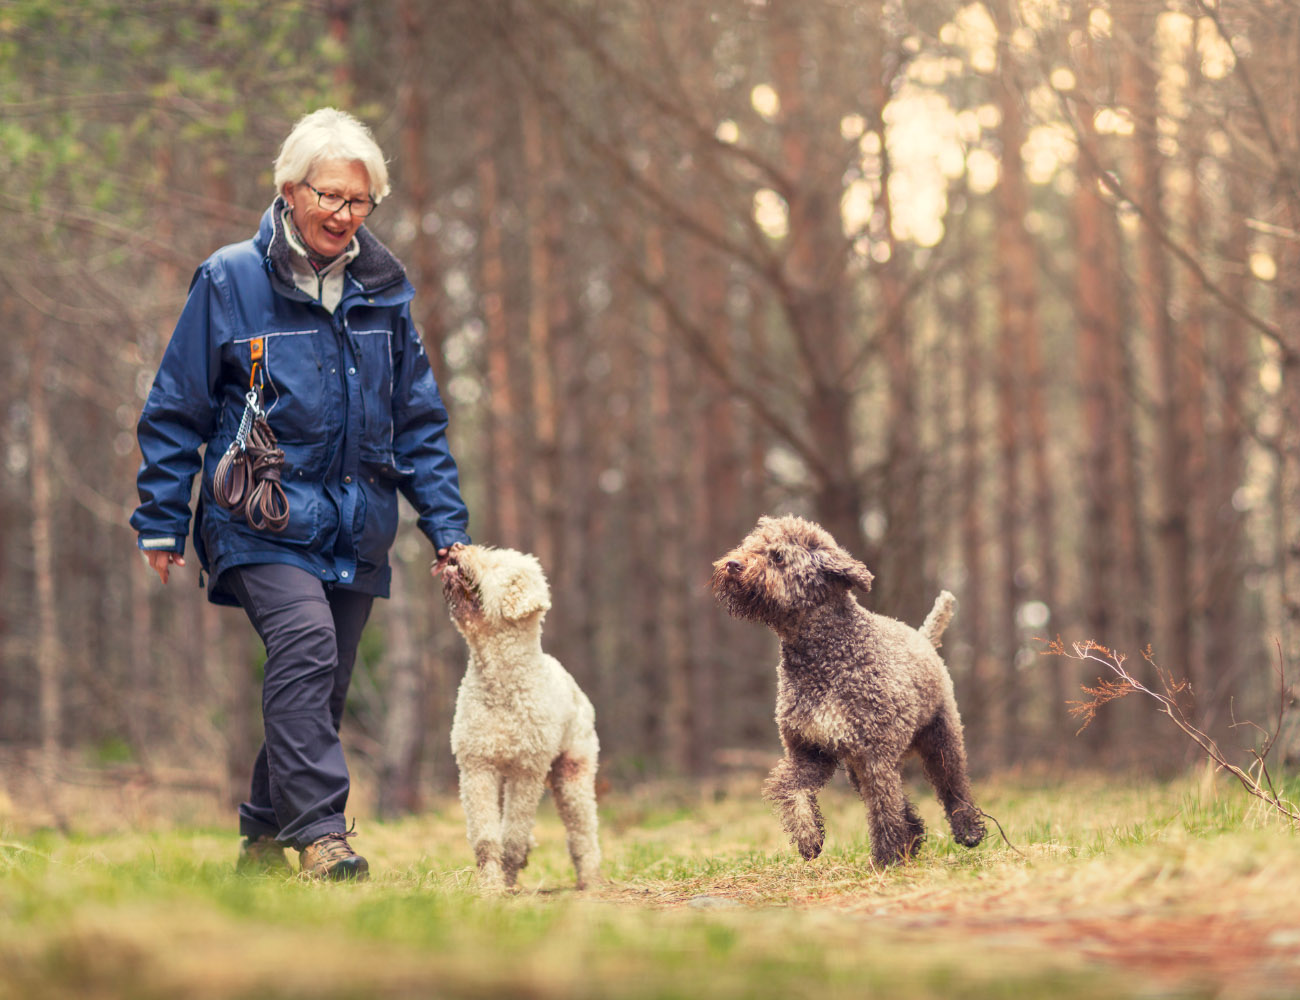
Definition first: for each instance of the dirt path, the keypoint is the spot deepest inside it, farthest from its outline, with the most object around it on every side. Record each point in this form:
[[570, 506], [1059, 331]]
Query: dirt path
[[1227, 953]]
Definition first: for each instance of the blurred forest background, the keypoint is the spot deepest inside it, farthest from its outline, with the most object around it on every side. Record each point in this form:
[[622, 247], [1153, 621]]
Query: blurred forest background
[[1005, 294]]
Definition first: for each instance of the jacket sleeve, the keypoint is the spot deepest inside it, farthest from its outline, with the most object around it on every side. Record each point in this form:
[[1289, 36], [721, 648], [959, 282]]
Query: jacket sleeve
[[179, 416], [431, 482]]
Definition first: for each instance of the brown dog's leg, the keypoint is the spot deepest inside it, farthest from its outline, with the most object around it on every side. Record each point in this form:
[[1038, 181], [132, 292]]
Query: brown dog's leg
[[896, 829], [943, 757], [792, 789]]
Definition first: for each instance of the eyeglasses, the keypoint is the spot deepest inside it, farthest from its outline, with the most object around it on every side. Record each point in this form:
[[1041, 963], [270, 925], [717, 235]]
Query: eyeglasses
[[359, 207]]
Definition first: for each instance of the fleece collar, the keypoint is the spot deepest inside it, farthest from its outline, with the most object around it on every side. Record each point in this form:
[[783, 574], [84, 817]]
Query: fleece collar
[[373, 266], [325, 284]]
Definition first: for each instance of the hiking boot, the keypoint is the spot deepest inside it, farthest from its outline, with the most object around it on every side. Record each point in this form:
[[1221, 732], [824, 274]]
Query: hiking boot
[[332, 857], [261, 856]]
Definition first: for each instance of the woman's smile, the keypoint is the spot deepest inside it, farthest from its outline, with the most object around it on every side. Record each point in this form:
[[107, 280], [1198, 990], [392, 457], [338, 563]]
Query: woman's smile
[[328, 233]]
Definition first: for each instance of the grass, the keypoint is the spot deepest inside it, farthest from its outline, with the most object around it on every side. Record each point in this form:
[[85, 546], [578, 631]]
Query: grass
[[1112, 889]]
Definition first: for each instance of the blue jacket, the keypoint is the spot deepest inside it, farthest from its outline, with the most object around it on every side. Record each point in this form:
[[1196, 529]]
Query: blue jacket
[[350, 398]]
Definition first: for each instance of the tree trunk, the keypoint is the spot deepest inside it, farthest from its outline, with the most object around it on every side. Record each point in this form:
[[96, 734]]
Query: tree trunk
[[1223, 529], [1288, 307], [544, 240], [632, 678], [404, 725], [902, 560], [968, 504], [423, 257], [1046, 585], [1172, 551], [813, 292], [667, 459], [1096, 271], [1190, 404], [504, 519], [339, 13], [1283, 45], [49, 648], [1014, 280]]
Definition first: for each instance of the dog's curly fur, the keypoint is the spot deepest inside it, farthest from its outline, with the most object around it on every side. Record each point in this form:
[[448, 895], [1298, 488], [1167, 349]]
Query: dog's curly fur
[[521, 720], [853, 687]]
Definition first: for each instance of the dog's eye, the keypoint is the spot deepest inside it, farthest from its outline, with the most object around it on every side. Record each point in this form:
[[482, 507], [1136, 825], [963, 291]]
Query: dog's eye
[[778, 556]]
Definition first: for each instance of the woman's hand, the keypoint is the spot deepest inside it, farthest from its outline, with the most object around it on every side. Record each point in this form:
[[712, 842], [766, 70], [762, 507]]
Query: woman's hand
[[160, 562]]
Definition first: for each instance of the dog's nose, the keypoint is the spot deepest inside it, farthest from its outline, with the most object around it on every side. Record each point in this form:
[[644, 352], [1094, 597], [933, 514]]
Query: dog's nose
[[734, 567]]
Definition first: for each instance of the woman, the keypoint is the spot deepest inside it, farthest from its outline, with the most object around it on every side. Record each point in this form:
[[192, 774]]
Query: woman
[[308, 322]]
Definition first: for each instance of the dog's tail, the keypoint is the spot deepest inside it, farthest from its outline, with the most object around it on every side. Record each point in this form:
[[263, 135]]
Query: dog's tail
[[945, 606]]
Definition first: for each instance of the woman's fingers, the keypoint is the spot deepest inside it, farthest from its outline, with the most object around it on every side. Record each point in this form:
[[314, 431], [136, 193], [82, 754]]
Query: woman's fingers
[[160, 563]]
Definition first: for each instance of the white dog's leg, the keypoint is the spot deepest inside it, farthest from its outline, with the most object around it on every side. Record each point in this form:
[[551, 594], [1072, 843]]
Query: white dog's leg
[[522, 793], [480, 795], [573, 783]]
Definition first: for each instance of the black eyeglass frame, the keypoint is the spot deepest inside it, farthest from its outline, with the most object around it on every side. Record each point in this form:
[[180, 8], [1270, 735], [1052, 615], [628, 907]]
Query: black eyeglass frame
[[348, 203]]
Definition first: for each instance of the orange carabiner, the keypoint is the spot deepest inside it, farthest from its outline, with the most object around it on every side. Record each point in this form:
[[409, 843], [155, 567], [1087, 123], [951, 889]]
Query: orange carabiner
[[255, 348]]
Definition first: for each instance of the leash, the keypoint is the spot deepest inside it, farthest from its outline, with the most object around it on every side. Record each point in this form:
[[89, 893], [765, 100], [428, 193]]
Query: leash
[[247, 480]]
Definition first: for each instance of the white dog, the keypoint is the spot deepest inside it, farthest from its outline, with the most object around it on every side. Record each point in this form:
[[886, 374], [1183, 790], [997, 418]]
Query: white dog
[[521, 721]]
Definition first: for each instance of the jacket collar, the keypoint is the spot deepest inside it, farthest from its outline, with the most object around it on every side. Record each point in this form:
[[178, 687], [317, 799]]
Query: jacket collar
[[374, 268], [325, 285]]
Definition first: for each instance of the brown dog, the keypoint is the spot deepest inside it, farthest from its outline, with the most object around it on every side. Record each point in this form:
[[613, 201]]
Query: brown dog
[[854, 687]]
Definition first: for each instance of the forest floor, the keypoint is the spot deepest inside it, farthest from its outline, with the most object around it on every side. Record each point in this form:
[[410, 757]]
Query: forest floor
[[1102, 887]]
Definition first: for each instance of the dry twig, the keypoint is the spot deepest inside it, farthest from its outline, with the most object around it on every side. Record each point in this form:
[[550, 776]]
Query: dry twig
[[994, 820], [1256, 779]]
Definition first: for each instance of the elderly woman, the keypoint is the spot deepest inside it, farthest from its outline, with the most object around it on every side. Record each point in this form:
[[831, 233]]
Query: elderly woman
[[302, 335]]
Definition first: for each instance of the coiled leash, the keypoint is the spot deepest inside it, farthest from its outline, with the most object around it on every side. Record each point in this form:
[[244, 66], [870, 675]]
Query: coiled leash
[[247, 480]]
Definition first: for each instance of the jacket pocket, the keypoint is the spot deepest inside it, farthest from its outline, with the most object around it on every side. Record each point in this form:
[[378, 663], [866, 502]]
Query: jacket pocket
[[293, 384], [308, 512], [376, 527], [373, 348]]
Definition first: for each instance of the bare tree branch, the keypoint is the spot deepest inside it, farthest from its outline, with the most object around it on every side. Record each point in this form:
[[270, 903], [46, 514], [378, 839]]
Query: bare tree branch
[[1256, 781], [1111, 181]]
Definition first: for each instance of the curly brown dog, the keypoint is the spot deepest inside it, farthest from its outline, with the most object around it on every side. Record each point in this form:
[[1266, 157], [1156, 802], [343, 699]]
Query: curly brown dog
[[853, 687]]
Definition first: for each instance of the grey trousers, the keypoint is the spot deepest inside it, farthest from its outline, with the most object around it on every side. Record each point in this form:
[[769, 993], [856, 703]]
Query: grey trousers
[[311, 631]]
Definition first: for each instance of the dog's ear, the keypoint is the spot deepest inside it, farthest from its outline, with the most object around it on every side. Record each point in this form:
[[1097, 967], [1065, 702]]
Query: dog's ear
[[836, 562], [525, 594]]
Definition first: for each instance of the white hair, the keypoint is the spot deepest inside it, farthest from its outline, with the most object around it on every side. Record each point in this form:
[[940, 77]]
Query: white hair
[[330, 134]]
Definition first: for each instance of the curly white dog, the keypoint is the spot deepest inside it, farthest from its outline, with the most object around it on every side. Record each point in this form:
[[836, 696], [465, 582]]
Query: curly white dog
[[521, 720]]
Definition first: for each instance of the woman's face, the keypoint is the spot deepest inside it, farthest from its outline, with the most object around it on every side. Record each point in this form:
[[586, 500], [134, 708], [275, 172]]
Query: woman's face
[[328, 233]]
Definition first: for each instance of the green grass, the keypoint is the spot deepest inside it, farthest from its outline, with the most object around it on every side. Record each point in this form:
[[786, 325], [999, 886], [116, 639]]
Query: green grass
[[1108, 888]]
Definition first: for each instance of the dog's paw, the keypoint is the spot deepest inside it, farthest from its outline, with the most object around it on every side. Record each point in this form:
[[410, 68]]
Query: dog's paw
[[810, 847], [490, 876], [491, 883], [897, 846], [885, 857], [968, 828], [514, 859]]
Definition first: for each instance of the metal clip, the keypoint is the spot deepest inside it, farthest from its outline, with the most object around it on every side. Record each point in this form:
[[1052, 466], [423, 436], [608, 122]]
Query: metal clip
[[252, 410]]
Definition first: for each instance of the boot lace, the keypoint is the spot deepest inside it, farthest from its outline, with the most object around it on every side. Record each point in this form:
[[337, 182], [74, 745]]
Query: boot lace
[[335, 846], [327, 851]]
